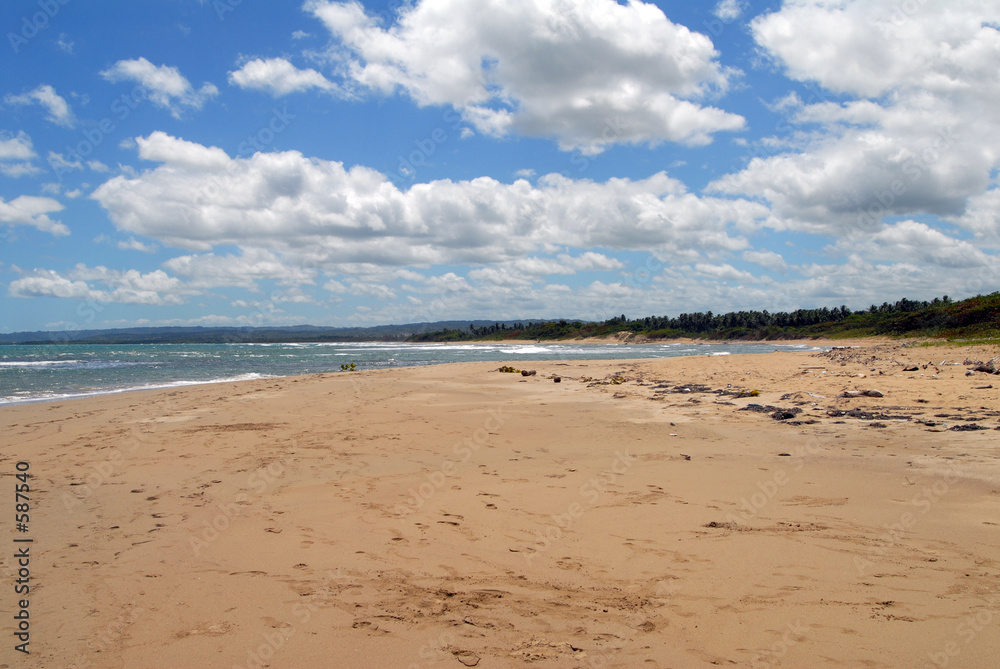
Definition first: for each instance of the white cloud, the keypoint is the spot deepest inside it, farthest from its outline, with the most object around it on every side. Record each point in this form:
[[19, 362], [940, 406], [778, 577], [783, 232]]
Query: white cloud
[[766, 259], [870, 47], [210, 270], [154, 288], [729, 10], [18, 147], [16, 155], [375, 290], [279, 77], [166, 86], [33, 211], [133, 244], [98, 166], [65, 43], [724, 272], [162, 148], [982, 218], [324, 214], [132, 286], [59, 111], [918, 139], [47, 283], [590, 73], [920, 244], [60, 163], [16, 170]]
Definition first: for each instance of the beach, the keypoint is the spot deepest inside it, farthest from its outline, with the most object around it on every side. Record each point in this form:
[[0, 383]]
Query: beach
[[729, 510]]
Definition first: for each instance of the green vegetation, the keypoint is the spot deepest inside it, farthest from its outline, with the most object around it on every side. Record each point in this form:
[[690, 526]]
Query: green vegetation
[[976, 319], [348, 368], [972, 321]]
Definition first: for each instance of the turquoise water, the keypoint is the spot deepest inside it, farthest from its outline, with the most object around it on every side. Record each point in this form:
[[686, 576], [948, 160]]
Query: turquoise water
[[54, 372]]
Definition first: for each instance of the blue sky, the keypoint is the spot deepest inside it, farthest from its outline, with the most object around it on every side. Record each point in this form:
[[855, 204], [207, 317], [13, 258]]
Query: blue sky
[[217, 162]]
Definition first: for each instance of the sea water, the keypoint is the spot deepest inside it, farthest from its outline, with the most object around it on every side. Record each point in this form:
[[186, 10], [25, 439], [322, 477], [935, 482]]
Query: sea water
[[54, 372]]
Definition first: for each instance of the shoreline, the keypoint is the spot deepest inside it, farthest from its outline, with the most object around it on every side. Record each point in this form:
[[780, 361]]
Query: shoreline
[[636, 512], [264, 372]]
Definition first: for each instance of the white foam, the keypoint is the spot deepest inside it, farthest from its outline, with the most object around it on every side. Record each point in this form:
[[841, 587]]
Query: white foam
[[529, 349], [55, 397], [41, 363]]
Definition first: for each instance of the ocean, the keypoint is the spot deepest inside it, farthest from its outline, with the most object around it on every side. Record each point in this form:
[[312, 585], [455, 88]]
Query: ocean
[[58, 372]]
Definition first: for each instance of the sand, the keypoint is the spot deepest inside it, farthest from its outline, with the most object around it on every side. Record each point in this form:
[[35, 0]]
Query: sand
[[455, 516]]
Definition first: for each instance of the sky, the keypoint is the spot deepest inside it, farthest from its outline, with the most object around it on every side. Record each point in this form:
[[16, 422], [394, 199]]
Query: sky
[[267, 163]]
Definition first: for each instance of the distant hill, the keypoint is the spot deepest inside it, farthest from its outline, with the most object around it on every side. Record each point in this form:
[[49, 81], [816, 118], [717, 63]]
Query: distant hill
[[975, 318], [226, 335]]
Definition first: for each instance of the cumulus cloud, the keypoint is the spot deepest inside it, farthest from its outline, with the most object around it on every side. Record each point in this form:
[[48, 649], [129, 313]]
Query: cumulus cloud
[[166, 86], [58, 110], [162, 148], [124, 286], [918, 136], [323, 213], [48, 283], [18, 147], [982, 218], [246, 269], [589, 73], [729, 10], [872, 47], [723, 272], [279, 77], [16, 155], [133, 244], [766, 259], [920, 244], [33, 211]]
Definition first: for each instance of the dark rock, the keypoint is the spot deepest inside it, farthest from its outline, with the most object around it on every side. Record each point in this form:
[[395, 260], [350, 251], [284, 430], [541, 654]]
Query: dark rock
[[528, 372], [968, 427], [911, 369], [557, 379]]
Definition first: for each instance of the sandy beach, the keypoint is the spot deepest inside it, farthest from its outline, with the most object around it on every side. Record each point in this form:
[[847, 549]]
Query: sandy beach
[[636, 513]]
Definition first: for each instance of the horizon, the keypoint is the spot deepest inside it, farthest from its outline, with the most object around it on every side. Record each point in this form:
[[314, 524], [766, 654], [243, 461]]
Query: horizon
[[353, 165]]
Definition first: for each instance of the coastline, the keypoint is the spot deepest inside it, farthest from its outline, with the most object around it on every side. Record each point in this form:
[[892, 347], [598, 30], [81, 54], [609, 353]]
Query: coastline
[[454, 515], [43, 374]]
